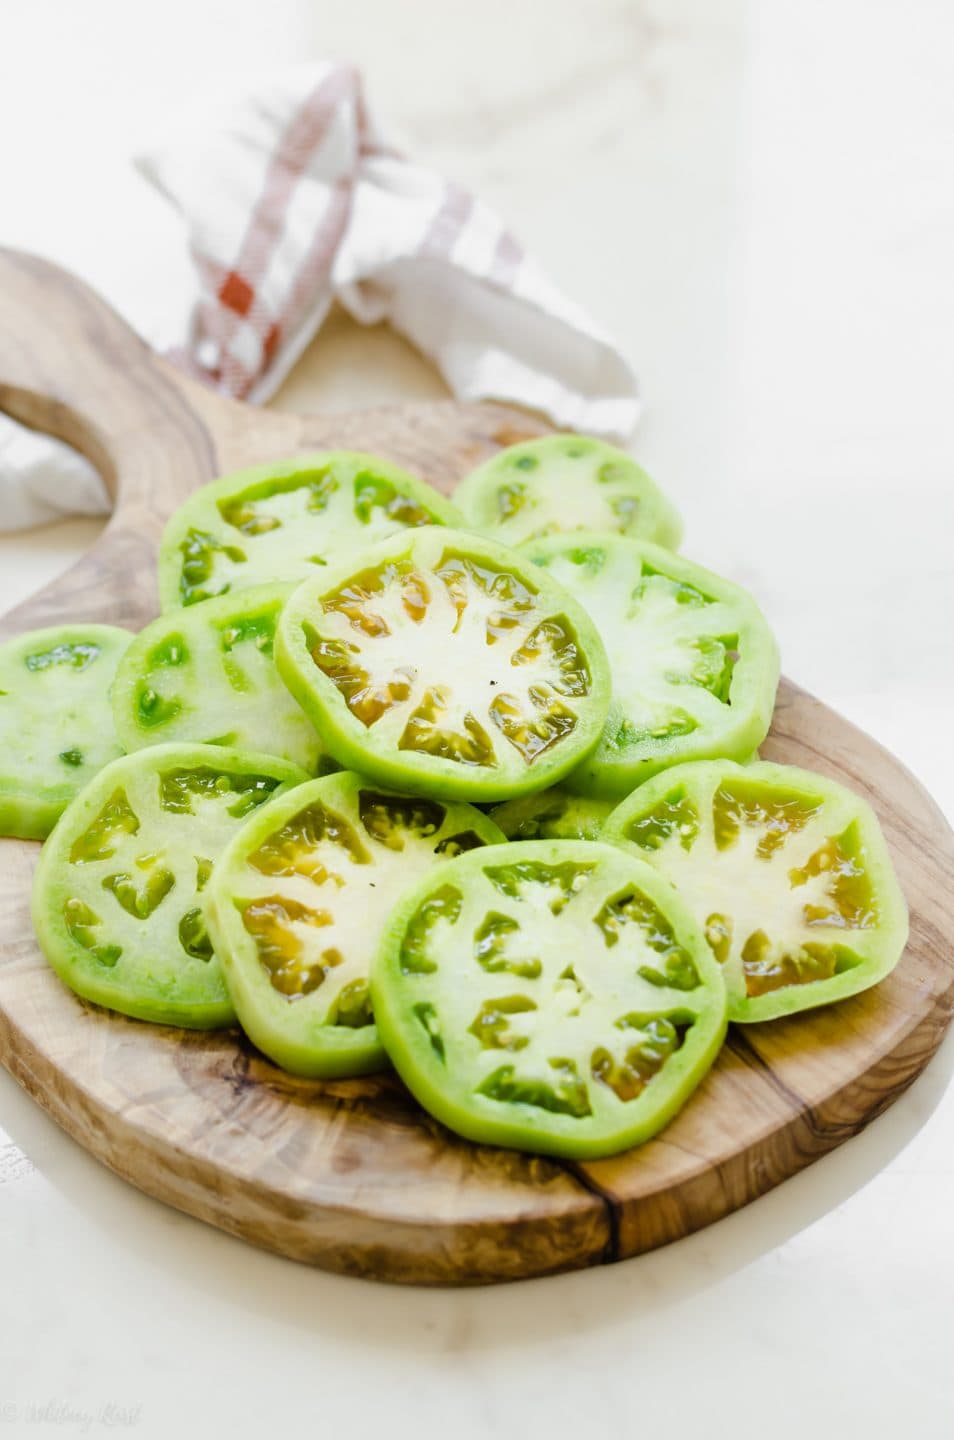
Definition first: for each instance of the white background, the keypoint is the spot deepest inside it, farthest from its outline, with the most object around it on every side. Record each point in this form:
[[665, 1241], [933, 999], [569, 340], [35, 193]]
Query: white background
[[758, 201]]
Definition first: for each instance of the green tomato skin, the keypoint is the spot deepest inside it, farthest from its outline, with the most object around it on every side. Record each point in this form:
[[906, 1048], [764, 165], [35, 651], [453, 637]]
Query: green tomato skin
[[205, 699], [30, 806], [355, 747], [518, 1125], [544, 470], [140, 996], [288, 1032], [611, 772], [201, 513], [892, 930], [553, 814]]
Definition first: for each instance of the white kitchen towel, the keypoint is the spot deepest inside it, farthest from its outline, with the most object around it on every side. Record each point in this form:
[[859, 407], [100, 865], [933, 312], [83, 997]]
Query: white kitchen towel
[[290, 198], [42, 479]]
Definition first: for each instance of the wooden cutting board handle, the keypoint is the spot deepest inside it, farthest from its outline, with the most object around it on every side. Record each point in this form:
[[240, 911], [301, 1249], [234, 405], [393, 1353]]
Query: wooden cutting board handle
[[69, 366]]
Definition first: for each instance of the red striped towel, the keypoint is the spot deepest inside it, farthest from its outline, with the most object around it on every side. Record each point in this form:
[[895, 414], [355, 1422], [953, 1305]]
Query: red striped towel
[[291, 199]]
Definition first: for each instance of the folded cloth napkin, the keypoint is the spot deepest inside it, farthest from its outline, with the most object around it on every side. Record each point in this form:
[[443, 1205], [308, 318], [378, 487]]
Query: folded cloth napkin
[[42, 479], [290, 199]]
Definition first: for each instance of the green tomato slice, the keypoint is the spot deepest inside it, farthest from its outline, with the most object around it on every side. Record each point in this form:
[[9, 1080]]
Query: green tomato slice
[[442, 663], [117, 899], [551, 995], [787, 873], [565, 483], [56, 727], [278, 522], [553, 814], [694, 664], [298, 902], [207, 675]]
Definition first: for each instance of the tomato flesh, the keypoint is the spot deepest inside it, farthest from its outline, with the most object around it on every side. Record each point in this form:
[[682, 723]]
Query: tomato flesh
[[448, 664], [787, 873], [56, 728], [280, 522], [563, 483], [118, 901], [207, 675], [298, 902], [694, 664], [553, 995]]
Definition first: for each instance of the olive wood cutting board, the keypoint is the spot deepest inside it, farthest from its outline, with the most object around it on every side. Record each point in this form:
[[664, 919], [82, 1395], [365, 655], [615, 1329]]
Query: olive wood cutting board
[[351, 1174]]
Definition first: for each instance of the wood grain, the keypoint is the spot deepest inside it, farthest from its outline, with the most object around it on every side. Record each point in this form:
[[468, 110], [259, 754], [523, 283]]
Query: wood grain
[[352, 1175]]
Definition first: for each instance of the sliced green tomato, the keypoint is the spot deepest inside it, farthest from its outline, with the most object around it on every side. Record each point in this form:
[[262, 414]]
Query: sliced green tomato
[[565, 483], [550, 995], [56, 727], [694, 664], [279, 522], [207, 675], [787, 873], [117, 899], [445, 664], [297, 904], [552, 815]]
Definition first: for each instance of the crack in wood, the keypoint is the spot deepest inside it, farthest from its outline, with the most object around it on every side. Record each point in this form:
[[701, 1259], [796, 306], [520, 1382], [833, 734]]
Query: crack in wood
[[611, 1251]]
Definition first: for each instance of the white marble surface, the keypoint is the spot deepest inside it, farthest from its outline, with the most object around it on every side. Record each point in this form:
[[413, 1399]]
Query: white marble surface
[[759, 201]]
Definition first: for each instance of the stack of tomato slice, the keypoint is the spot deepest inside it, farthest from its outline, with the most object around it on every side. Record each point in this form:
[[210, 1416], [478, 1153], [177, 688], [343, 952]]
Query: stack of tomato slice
[[470, 788]]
